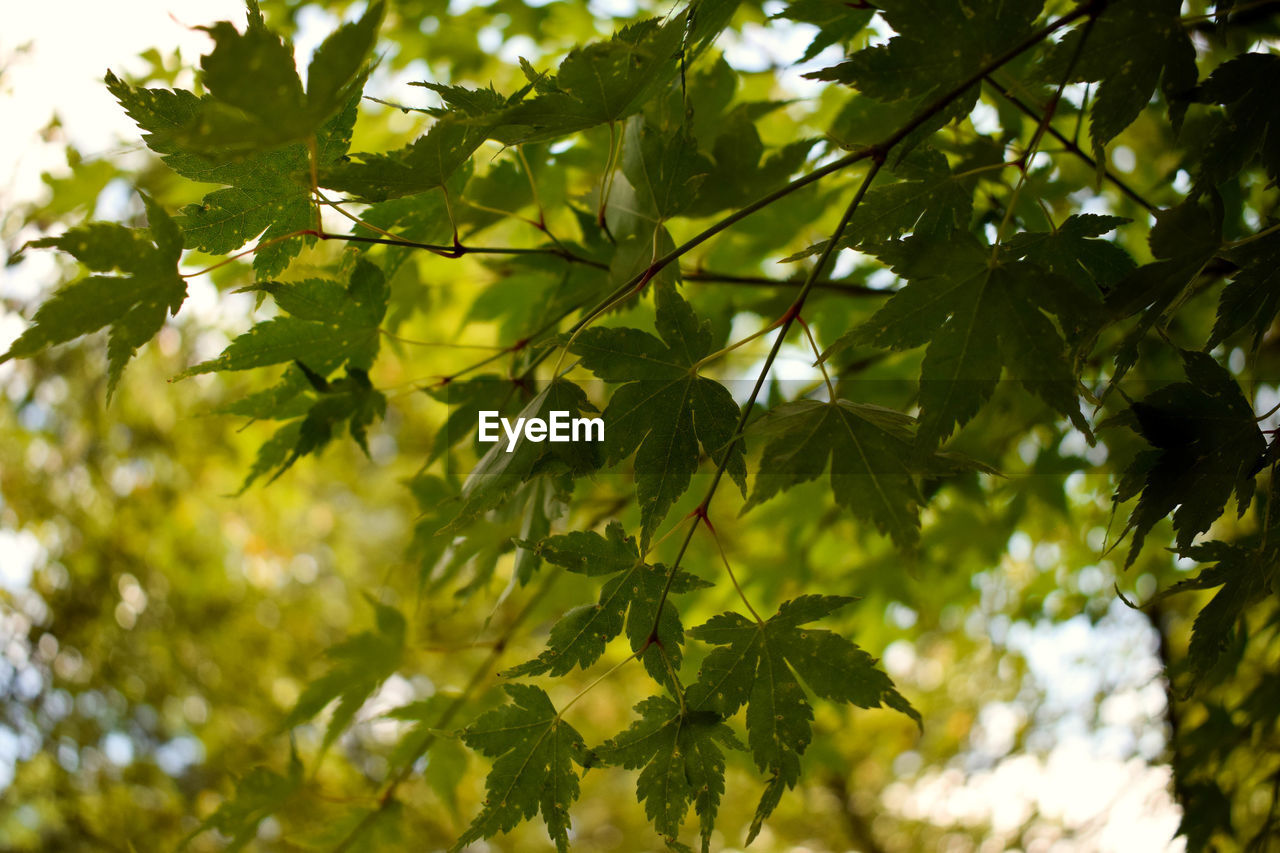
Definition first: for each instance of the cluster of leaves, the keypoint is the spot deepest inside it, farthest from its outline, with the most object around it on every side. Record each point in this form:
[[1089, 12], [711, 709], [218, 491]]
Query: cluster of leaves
[[1005, 294]]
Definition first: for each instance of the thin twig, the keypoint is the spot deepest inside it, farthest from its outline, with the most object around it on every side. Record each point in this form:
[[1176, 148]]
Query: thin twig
[[1071, 146], [459, 702]]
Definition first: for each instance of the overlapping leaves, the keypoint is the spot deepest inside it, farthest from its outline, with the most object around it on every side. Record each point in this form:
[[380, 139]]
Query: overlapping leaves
[[359, 666], [1206, 446], [1242, 576], [980, 319], [265, 195], [1027, 309], [256, 99], [596, 84], [915, 66], [631, 596], [1131, 48]]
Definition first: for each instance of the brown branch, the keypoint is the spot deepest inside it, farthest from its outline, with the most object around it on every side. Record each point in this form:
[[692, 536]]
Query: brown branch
[[1071, 146]]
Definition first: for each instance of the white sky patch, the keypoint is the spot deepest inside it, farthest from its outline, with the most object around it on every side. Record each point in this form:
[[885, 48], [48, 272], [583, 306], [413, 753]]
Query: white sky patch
[[20, 551], [62, 73]]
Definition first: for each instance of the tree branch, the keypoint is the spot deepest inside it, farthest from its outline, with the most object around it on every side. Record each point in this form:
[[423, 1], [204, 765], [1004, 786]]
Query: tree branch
[[1071, 146]]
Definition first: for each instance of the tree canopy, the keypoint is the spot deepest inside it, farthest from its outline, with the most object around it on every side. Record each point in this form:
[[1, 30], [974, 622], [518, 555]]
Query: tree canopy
[[918, 330]]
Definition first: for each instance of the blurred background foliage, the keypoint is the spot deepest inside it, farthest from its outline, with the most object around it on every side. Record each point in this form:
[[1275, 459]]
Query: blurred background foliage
[[158, 627]]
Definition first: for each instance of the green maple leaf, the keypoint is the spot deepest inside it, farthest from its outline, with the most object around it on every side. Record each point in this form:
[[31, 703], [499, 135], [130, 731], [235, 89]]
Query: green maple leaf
[[133, 304], [1088, 267], [266, 195], [872, 460], [430, 161], [837, 23], [740, 171], [598, 83], [757, 664], [929, 201], [1243, 576], [937, 44], [499, 472], [1184, 239], [979, 319], [258, 794], [359, 666], [1253, 296], [683, 764], [665, 168], [351, 400], [256, 100], [630, 597], [706, 20], [329, 324], [1207, 446], [535, 751], [1250, 128], [1132, 48], [1071, 251], [666, 409]]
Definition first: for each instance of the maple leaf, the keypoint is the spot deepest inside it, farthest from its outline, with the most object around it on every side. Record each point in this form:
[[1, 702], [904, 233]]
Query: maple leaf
[[535, 751], [757, 664], [665, 409], [740, 171], [1243, 576], [978, 320], [1183, 240], [1207, 446], [872, 460], [258, 794], [1131, 48], [329, 325], [1253, 296], [351, 400], [683, 764], [837, 23], [1071, 251], [631, 596], [936, 45], [1250, 128], [598, 83], [134, 304], [360, 665], [267, 194], [256, 100], [665, 168], [430, 161], [929, 201]]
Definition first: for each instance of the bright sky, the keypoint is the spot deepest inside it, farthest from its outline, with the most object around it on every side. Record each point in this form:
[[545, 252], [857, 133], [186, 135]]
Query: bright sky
[[72, 43], [1105, 792]]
